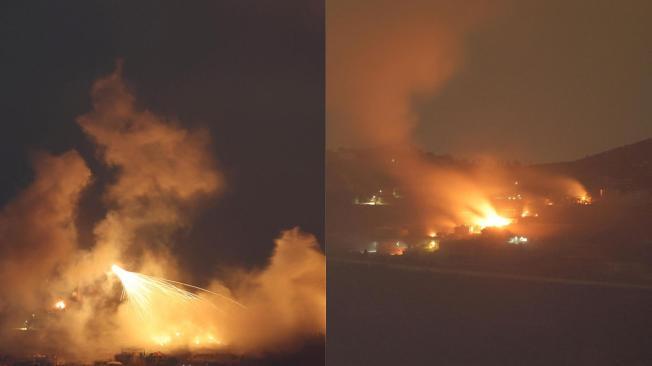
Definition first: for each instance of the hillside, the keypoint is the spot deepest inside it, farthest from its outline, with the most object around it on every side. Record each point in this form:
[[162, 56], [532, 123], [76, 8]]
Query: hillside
[[625, 168]]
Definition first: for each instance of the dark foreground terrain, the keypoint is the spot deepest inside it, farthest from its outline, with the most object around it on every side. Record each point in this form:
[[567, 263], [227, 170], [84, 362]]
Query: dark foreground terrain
[[380, 315], [311, 353]]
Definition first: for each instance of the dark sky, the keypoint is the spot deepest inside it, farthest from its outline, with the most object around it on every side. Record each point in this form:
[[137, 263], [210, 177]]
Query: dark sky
[[250, 71], [535, 80], [549, 80]]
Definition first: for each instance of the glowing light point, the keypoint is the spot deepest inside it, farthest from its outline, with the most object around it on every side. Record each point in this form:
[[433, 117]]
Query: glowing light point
[[432, 246], [517, 240]]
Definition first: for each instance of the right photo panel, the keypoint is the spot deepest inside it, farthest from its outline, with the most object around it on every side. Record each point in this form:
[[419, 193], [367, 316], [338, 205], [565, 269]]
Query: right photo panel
[[488, 182]]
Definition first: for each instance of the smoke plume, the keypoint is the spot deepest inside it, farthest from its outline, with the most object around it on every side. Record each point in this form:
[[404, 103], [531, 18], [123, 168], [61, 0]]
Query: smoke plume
[[160, 173], [383, 58], [381, 55], [286, 301], [37, 228], [162, 169]]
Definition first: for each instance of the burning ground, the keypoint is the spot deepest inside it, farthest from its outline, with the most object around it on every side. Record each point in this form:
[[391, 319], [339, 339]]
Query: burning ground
[[384, 61], [505, 216], [126, 288]]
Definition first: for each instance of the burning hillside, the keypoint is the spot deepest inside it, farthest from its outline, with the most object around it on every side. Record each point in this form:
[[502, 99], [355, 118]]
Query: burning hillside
[[379, 68], [449, 207], [440, 195]]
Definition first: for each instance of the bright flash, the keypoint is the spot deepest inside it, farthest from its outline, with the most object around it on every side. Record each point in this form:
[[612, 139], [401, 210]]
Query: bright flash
[[156, 300], [492, 220], [139, 290], [60, 305]]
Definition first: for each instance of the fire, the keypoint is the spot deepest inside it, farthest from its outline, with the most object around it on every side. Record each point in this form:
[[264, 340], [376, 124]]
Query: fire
[[584, 200], [167, 312], [490, 219], [60, 305], [493, 220]]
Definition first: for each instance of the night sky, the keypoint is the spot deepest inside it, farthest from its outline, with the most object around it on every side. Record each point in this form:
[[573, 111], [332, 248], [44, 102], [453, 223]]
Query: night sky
[[536, 81], [547, 81], [251, 72]]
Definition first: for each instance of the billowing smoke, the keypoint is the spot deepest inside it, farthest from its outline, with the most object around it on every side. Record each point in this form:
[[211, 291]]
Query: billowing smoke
[[37, 228], [383, 58], [286, 301], [381, 55], [161, 173], [162, 169]]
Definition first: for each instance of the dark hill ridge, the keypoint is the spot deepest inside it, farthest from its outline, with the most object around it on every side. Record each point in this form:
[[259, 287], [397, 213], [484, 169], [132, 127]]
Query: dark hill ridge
[[625, 168]]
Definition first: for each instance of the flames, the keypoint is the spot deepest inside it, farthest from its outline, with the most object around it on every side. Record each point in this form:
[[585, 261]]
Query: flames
[[379, 69], [491, 219], [584, 199], [161, 304], [477, 200]]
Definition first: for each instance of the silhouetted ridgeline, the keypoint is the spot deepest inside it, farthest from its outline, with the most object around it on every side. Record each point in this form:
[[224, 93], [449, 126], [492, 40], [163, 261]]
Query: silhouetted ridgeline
[[627, 168]]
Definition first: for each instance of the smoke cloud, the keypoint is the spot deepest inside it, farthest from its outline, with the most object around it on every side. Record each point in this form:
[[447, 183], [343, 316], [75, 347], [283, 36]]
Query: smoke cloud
[[161, 173], [381, 55], [286, 301], [383, 58], [37, 228], [162, 169]]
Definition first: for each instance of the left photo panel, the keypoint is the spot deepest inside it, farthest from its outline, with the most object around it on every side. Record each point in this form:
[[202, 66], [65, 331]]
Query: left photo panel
[[162, 187]]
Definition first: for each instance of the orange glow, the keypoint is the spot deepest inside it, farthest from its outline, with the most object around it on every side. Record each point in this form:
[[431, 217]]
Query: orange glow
[[169, 316], [488, 218], [493, 220], [397, 249]]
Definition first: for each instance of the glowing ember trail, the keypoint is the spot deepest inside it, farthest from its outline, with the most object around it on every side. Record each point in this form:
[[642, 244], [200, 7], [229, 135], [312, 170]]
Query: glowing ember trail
[[169, 314], [139, 290]]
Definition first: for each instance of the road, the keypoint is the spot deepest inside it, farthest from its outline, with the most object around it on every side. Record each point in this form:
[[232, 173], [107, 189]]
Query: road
[[397, 315]]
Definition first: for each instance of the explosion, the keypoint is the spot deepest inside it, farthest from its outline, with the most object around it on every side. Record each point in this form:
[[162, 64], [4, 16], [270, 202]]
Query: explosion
[[153, 298], [139, 290], [162, 173]]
